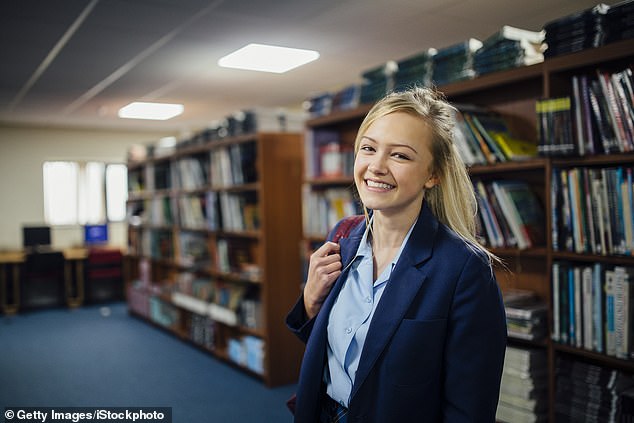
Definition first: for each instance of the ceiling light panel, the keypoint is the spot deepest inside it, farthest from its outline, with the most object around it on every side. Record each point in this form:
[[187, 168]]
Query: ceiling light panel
[[267, 58], [151, 111]]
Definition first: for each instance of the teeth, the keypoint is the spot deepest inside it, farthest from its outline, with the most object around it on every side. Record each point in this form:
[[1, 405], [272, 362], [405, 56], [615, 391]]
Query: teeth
[[382, 185]]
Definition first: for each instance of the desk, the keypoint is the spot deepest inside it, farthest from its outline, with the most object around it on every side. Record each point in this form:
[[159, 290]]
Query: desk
[[12, 261]]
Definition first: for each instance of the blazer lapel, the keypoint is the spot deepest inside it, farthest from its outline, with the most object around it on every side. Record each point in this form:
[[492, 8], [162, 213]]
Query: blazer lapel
[[405, 281]]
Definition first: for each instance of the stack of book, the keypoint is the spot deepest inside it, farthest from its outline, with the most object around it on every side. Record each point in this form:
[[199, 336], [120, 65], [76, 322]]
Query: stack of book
[[620, 21], [415, 70], [626, 412], [524, 388], [586, 392], [455, 63], [576, 32], [377, 82], [346, 98], [318, 105], [509, 48], [526, 315]]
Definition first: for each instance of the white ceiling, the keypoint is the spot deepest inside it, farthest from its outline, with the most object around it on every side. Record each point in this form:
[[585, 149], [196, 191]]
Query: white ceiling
[[76, 62]]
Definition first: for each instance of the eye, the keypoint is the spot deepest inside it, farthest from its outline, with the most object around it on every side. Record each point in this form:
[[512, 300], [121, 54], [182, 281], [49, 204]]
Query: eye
[[400, 156], [367, 148]]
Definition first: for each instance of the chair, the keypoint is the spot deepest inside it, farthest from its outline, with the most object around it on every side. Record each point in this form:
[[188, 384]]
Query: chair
[[43, 280], [104, 276]]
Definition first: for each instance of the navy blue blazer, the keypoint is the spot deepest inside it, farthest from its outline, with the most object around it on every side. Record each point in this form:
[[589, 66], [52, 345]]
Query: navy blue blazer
[[435, 347]]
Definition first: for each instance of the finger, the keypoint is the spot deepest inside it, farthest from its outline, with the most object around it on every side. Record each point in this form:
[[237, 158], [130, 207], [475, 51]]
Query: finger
[[327, 248]]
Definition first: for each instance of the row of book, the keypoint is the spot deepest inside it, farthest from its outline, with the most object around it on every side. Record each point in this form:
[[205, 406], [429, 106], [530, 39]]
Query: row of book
[[524, 386], [234, 165], [510, 214], [193, 249], [481, 136], [156, 243], [240, 122], [159, 211], [593, 308], [593, 210], [211, 210], [326, 155], [222, 167], [227, 303], [592, 27], [598, 118], [247, 351], [237, 256], [507, 48], [484, 137], [322, 209], [587, 392], [193, 172]]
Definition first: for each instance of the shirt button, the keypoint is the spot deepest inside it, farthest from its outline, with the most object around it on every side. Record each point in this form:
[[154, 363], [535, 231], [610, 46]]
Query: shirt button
[[348, 330], [368, 299]]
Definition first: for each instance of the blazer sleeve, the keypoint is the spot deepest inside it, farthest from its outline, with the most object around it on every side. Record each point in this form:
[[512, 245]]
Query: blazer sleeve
[[475, 347]]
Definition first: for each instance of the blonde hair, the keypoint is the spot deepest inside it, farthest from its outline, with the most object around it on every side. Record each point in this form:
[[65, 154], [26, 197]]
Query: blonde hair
[[453, 199]]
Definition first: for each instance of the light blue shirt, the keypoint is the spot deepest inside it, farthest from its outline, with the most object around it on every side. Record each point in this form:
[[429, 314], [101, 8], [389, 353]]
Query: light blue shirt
[[350, 319]]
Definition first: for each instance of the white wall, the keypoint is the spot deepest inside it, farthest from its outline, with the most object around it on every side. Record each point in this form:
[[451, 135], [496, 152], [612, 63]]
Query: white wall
[[23, 151]]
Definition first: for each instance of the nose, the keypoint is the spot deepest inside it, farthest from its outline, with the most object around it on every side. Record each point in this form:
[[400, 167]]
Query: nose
[[377, 164]]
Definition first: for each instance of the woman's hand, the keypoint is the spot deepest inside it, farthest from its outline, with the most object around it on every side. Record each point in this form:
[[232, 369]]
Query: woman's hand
[[323, 269]]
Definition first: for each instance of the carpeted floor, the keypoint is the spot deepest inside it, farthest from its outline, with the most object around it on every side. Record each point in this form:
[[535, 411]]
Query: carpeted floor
[[96, 356]]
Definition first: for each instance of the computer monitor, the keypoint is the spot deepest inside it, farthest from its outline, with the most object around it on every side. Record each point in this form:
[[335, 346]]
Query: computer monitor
[[96, 234], [36, 236]]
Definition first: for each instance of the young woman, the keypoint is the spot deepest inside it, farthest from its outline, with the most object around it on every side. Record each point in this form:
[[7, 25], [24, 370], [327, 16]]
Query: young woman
[[403, 320]]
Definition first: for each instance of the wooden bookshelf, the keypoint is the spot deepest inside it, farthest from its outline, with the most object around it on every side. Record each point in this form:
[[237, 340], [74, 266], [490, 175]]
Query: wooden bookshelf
[[513, 93], [256, 258]]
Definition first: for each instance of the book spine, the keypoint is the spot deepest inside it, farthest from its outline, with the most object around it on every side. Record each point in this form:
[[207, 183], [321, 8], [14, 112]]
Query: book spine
[[555, 336], [598, 301], [610, 340]]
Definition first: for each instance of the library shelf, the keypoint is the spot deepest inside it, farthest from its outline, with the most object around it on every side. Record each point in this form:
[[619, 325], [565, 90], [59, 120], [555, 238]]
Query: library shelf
[[513, 93], [212, 248]]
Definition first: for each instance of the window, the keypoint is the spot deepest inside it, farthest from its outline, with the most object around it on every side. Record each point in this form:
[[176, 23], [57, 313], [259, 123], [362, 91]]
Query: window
[[84, 192]]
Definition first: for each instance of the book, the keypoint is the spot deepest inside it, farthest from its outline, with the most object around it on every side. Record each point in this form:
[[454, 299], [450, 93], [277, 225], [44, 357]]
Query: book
[[624, 293], [508, 32]]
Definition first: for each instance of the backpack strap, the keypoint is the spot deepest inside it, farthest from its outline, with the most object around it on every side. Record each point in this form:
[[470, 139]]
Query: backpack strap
[[345, 226]]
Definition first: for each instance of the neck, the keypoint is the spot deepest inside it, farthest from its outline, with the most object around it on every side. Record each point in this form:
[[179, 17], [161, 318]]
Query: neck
[[389, 232]]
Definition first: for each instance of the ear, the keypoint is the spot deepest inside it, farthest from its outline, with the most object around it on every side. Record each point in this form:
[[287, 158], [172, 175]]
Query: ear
[[432, 182]]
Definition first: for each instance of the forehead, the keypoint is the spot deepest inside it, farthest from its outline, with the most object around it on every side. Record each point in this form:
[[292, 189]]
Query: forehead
[[400, 128]]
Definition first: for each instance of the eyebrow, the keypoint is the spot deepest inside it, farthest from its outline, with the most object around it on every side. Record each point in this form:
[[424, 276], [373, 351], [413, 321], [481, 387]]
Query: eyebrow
[[392, 145]]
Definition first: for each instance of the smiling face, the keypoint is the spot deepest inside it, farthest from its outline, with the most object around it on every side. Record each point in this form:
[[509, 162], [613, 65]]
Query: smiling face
[[393, 164]]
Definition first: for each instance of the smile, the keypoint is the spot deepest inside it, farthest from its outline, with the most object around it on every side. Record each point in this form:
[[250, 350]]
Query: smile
[[380, 185]]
